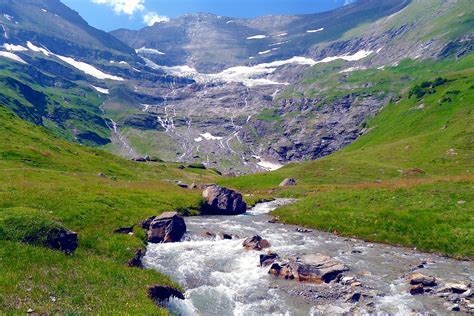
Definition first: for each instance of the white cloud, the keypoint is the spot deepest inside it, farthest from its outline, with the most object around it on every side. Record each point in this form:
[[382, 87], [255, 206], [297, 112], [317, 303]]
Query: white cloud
[[150, 18], [128, 7]]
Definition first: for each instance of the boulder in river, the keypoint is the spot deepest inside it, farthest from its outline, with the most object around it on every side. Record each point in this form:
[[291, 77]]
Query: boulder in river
[[288, 182], [313, 268], [222, 201], [167, 227], [255, 243], [162, 294], [268, 259], [419, 278]]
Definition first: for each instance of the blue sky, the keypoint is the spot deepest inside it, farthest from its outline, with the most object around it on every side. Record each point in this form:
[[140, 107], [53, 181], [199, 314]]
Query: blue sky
[[134, 14]]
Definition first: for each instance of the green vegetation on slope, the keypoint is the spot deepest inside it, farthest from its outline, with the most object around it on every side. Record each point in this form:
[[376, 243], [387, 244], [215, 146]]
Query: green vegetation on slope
[[408, 181], [58, 182]]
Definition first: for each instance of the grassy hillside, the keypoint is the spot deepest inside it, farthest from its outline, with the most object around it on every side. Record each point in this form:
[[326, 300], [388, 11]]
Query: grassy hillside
[[409, 179], [44, 179]]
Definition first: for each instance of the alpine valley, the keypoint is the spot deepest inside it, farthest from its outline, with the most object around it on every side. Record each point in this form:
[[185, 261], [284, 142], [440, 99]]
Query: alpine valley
[[365, 111]]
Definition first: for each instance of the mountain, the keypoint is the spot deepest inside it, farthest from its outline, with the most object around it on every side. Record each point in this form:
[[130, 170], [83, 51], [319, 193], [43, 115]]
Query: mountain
[[212, 43], [268, 109]]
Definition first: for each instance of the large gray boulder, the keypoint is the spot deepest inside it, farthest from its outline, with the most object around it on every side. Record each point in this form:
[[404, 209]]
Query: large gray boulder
[[222, 201], [313, 268], [288, 182], [167, 227]]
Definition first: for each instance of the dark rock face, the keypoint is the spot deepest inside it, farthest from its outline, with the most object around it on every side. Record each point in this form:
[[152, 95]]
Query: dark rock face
[[288, 182], [63, 240], [268, 259], [168, 227], [161, 294], [255, 243], [124, 230], [145, 224], [313, 268], [136, 261], [222, 201], [417, 289]]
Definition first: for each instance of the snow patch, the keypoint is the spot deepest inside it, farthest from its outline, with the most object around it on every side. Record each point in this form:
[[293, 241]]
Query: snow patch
[[44, 10], [12, 57], [37, 49], [267, 165], [230, 21], [198, 139], [315, 31], [265, 52], [256, 37], [209, 136], [279, 43], [355, 57], [351, 69], [145, 50], [8, 17], [14, 48], [88, 69], [281, 34], [101, 90]]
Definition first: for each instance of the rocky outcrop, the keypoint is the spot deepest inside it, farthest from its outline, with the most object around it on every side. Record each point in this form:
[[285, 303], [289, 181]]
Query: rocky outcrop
[[313, 268], [288, 182], [255, 243], [222, 201], [167, 227], [136, 261], [124, 230], [161, 294], [62, 239], [419, 278]]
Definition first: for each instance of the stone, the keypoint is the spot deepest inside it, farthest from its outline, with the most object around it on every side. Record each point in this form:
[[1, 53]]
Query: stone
[[145, 224], [162, 294], [457, 288], [419, 278], [182, 185], [136, 261], [317, 268], [303, 230], [268, 259], [288, 182], [256, 243], [167, 227], [124, 230], [63, 239], [222, 201], [417, 289], [354, 297], [226, 236], [312, 268]]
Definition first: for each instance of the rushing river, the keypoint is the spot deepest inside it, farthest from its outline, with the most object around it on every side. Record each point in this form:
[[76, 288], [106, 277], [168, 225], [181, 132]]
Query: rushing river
[[221, 278]]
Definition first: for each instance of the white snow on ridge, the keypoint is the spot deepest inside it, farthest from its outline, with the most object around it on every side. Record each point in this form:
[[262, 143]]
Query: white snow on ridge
[[101, 90], [145, 50], [84, 67], [256, 37], [315, 31], [250, 76], [209, 136], [88, 69], [12, 57], [14, 48], [37, 49], [230, 21]]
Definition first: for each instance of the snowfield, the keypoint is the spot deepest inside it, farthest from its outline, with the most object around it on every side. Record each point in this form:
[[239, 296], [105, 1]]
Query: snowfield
[[209, 136], [251, 76], [82, 66], [315, 31], [14, 48], [256, 37], [267, 165], [145, 50], [101, 90], [12, 57]]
